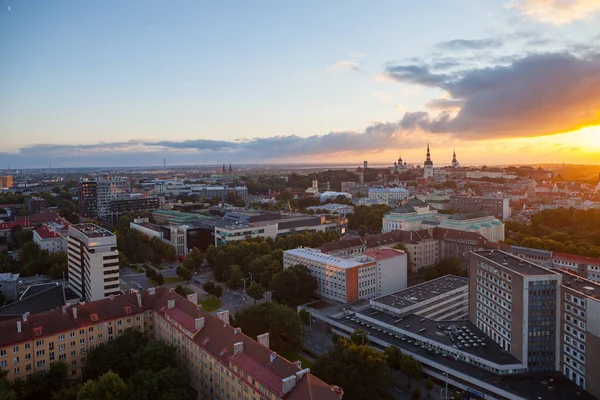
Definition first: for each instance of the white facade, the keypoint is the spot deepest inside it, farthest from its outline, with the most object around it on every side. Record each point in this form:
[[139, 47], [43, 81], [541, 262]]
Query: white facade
[[178, 234], [332, 195], [51, 244], [351, 278], [389, 195], [490, 174], [93, 262], [341, 209]]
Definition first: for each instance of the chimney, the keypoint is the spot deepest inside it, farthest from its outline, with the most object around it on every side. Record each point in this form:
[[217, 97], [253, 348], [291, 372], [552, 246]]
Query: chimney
[[237, 330], [138, 295], [199, 323], [152, 291], [298, 364], [223, 316], [74, 309], [170, 304], [171, 290], [238, 348], [338, 390], [301, 373], [263, 339], [25, 317], [288, 384], [193, 298], [18, 326]]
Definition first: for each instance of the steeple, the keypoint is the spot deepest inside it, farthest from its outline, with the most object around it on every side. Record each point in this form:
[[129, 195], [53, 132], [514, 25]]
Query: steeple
[[454, 156], [224, 167], [230, 167], [428, 160]]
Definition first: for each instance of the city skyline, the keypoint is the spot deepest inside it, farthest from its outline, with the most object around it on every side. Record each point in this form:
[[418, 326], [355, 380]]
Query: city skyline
[[114, 84]]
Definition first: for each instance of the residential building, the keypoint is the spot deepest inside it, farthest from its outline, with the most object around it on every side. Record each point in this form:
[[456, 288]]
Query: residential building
[[40, 217], [132, 205], [331, 195], [496, 206], [351, 278], [35, 204], [391, 196], [88, 199], [9, 286], [365, 201], [50, 239], [93, 262], [7, 227], [39, 298], [174, 235], [222, 362], [6, 182], [517, 304], [96, 194], [587, 267], [341, 209], [490, 174]]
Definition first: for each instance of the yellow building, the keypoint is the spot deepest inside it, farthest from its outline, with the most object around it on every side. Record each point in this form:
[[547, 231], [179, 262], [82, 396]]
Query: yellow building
[[223, 363]]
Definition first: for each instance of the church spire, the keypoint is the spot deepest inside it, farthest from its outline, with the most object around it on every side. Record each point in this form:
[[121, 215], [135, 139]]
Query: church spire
[[428, 153]]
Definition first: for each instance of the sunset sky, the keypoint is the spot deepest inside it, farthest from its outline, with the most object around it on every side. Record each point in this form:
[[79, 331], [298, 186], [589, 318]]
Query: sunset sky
[[124, 83]]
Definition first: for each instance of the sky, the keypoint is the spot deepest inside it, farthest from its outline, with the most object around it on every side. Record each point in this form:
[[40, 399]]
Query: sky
[[130, 83]]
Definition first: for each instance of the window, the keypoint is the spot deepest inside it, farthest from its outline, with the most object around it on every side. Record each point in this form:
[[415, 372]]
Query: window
[[16, 349], [27, 346], [73, 353], [28, 356], [39, 343], [40, 353], [81, 341], [82, 331], [61, 337], [72, 335], [2, 353], [91, 328]]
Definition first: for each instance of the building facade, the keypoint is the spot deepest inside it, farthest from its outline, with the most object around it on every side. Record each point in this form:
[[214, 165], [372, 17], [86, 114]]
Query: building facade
[[221, 361], [351, 278], [6, 182], [498, 207], [93, 262], [390, 196], [9, 286], [428, 165], [50, 239]]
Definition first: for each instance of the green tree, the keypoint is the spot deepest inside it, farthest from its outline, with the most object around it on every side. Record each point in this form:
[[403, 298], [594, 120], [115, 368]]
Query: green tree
[[160, 279], [359, 370], [415, 394], [193, 260], [57, 376], [256, 291], [234, 278], [69, 393], [282, 323], [6, 390], [285, 287], [304, 316], [184, 273], [218, 291], [393, 358], [167, 383], [209, 287], [429, 386], [156, 356], [410, 367], [360, 337], [108, 387]]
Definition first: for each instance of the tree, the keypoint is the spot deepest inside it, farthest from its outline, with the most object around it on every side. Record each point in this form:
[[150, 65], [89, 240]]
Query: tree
[[209, 287], [256, 291], [193, 260], [360, 337], [19, 236], [156, 356], [304, 316], [294, 286], [6, 391], [108, 387], [410, 367], [234, 278], [282, 323], [57, 376], [218, 291], [184, 273], [160, 279], [429, 386], [393, 359], [359, 370], [416, 394]]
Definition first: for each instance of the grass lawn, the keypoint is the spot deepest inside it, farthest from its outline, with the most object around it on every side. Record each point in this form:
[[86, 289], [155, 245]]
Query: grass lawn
[[211, 304], [292, 356], [173, 279]]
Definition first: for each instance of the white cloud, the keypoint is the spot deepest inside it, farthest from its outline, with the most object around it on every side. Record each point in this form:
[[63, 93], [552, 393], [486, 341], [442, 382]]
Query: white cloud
[[557, 12], [344, 65], [378, 94], [357, 55]]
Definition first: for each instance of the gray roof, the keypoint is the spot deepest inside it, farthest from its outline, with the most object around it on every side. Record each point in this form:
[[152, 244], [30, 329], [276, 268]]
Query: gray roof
[[6, 277]]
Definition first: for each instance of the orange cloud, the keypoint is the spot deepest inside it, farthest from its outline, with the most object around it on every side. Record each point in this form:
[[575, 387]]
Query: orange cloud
[[557, 12]]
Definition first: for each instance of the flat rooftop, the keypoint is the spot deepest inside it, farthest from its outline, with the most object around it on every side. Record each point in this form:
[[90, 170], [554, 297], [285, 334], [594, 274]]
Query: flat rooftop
[[462, 334], [422, 292], [516, 264], [338, 261], [92, 230], [579, 284], [527, 385]]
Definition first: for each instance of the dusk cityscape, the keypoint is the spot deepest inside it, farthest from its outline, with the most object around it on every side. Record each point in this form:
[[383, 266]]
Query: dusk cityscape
[[299, 200]]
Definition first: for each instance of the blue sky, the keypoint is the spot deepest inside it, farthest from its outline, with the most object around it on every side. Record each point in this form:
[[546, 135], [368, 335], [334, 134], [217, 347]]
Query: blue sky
[[132, 82]]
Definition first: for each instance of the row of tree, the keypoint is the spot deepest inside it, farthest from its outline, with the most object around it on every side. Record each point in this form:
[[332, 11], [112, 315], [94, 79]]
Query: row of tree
[[131, 367], [367, 219]]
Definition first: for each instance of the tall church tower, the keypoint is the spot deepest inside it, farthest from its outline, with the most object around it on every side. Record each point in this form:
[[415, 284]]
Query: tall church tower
[[455, 163], [428, 165]]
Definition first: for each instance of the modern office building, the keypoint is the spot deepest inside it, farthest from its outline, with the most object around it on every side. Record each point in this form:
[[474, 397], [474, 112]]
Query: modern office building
[[222, 362], [351, 278], [9, 286], [391, 196], [93, 262], [174, 235], [499, 207], [517, 304], [88, 199]]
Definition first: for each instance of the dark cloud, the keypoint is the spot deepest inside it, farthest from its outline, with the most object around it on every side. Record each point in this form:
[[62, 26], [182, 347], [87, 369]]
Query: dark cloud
[[539, 94], [476, 44], [418, 74]]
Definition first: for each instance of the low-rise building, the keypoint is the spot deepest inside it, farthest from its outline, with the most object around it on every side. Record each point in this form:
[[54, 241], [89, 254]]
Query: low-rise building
[[391, 196], [351, 278], [496, 206], [50, 239], [6, 227], [174, 235], [341, 209]]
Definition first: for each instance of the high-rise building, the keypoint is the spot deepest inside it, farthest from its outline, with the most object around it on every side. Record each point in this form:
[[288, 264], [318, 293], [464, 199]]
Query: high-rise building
[[428, 165], [6, 182], [516, 303], [88, 199], [93, 262], [96, 195]]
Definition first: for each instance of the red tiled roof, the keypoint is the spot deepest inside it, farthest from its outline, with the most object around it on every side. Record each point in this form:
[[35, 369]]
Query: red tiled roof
[[384, 254], [45, 232], [182, 318], [7, 226], [259, 372], [311, 388], [42, 216], [576, 258]]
